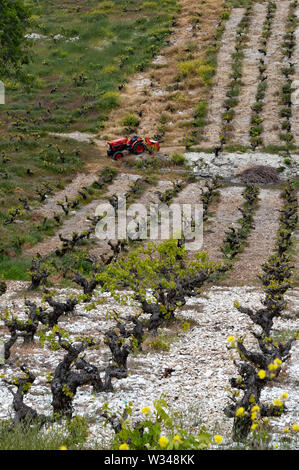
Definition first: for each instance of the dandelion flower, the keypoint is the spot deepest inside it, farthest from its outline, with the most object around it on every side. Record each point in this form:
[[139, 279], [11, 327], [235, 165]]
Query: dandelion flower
[[177, 439], [277, 361], [255, 408], [163, 441], [230, 339], [218, 439], [146, 410], [295, 427], [124, 446], [240, 411], [277, 402], [261, 373]]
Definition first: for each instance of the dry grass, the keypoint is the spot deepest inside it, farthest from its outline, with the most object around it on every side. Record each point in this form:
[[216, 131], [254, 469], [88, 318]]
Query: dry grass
[[156, 93]]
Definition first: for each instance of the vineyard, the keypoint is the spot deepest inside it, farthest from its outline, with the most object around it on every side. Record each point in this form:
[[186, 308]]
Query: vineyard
[[133, 343]]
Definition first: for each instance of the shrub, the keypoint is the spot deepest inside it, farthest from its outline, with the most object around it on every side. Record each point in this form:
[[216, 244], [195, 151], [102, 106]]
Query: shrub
[[201, 113], [109, 100], [189, 67], [225, 15], [131, 121], [178, 159], [206, 73]]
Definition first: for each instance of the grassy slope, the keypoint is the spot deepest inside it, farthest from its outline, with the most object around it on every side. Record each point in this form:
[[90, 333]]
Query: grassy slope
[[74, 85]]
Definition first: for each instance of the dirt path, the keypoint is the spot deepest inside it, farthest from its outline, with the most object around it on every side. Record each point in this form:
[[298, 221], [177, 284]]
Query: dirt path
[[212, 131], [241, 122], [70, 191], [77, 222], [275, 61], [224, 216], [261, 241], [190, 194]]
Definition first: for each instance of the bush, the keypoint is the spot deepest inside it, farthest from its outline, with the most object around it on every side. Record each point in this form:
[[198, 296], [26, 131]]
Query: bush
[[225, 15], [201, 109], [189, 67], [109, 100], [178, 159], [206, 73], [131, 121]]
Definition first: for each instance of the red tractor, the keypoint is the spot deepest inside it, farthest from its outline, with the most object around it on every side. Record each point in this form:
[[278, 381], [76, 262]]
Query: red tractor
[[134, 145]]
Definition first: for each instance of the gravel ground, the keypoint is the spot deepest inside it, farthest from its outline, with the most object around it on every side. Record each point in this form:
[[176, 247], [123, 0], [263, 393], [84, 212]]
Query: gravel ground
[[230, 165], [221, 80], [198, 386], [241, 122]]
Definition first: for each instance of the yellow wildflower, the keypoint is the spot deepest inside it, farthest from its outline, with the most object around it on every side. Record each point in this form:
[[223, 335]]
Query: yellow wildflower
[[177, 439], [255, 408], [124, 446], [230, 339], [272, 366], [62, 448], [163, 441], [218, 438], [277, 402], [253, 415], [146, 410], [261, 373], [240, 411], [295, 427], [254, 426], [277, 361], [284, 396], [286, 430]]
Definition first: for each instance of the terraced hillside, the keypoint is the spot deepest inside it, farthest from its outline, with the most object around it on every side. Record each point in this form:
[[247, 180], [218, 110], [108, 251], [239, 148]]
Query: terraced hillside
[[216, 83]]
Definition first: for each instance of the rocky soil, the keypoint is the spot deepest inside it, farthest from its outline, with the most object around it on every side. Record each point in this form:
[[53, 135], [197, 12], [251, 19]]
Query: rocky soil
[[230, 165], [201, 366]]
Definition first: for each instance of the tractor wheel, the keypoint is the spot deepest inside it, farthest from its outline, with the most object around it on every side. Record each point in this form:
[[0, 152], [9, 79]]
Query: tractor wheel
[[139, 147], [118, 156]]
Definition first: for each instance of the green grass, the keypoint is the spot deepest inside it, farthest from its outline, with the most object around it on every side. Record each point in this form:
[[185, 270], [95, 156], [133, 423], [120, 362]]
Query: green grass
[[178, 159], [15, 269], [71, 435]]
